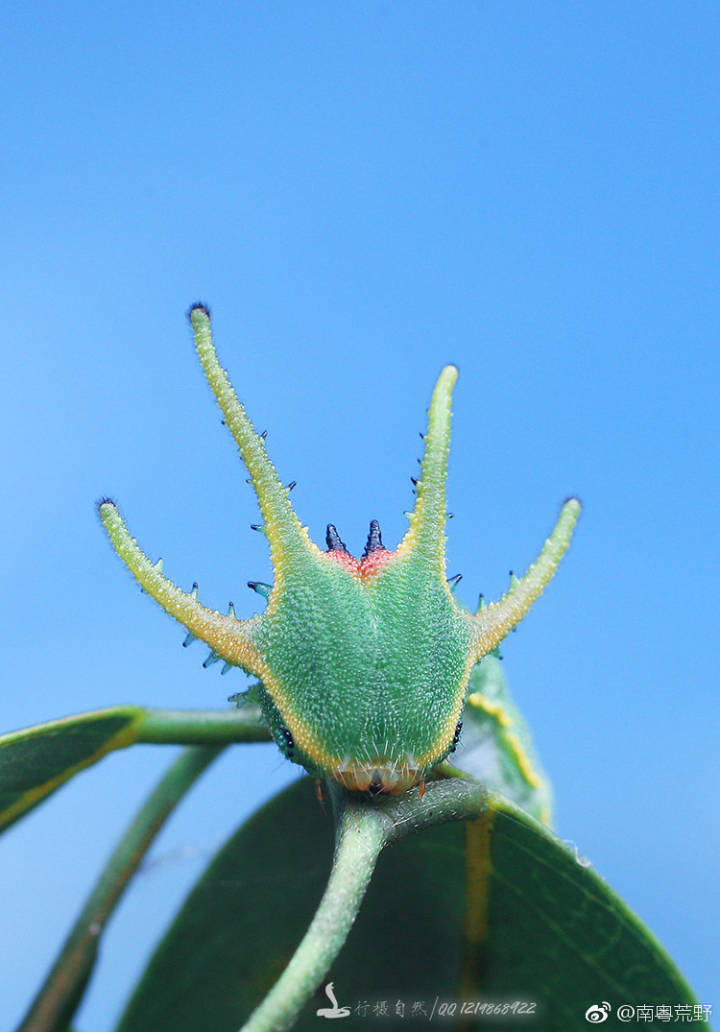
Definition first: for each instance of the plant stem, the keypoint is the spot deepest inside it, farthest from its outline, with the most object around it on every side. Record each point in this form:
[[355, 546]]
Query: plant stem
[[360, 839], [58, 998], [202, 727], [365, 826], [456, 799]]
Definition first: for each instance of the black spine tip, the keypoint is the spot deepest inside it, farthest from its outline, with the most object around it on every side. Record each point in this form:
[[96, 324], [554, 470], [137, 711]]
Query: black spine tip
[[291, 485], [333, 540], [104, 501], [198, 307], [413, 481], [374, 541], [263, 435]]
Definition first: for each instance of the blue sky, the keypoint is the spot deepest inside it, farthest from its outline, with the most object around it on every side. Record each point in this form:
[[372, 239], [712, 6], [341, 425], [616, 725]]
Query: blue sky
[[364, 192]]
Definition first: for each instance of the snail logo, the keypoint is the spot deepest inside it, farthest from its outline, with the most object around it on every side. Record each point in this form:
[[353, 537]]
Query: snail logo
[[335, 1011], [595, 1014]]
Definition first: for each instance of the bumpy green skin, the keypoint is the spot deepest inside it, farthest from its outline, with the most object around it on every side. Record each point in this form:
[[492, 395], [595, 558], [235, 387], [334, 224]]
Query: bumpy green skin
[[363, 664], [376, 668]]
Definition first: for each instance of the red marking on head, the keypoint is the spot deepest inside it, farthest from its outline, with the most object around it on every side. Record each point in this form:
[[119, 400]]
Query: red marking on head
[[363, 568], [345, 559], [374, 562]]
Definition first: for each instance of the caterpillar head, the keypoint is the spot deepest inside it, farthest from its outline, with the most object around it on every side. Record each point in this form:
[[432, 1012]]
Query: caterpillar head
[[363, 661]]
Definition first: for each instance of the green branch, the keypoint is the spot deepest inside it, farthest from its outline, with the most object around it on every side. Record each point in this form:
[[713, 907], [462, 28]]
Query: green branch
[[36, 761], [57, 1000], [202, 727], [365, 826], [360, 839], [456, 799]]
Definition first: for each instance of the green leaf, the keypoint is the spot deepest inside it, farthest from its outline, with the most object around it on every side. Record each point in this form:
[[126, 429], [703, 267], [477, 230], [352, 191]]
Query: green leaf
[[242, 922], [495, 746], [62, 991], [36, 761], [495, 908]]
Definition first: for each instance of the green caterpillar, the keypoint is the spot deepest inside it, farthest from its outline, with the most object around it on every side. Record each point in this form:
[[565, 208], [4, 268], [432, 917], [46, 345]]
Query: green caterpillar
[[363, 663]]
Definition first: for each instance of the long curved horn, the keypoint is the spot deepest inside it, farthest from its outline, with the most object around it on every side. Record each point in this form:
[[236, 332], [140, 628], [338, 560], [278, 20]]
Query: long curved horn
[[231, 639], [493, 622], [425, 537], [282, 527]]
